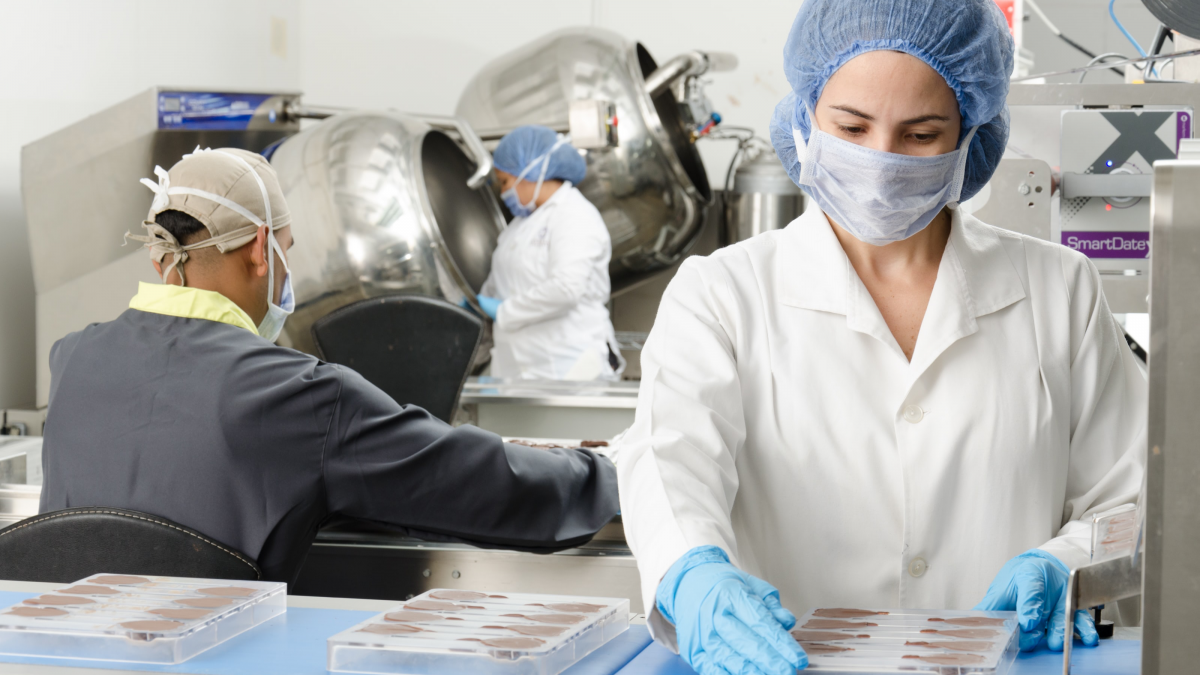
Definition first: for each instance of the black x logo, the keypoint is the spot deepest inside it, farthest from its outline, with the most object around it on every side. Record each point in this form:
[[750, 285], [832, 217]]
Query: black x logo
[[1138, 134]]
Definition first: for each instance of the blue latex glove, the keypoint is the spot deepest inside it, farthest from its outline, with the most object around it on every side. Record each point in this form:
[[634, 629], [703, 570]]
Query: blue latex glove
[[727, 621], [1035, 585], [490, 306]]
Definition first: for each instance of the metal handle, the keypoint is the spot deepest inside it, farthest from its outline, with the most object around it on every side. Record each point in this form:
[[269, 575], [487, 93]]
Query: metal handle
[[483, 158], [690, 64]]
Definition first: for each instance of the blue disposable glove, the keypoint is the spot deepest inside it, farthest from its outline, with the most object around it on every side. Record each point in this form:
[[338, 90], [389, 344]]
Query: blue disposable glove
[[490, 306], [1035, 585], [727, 621]]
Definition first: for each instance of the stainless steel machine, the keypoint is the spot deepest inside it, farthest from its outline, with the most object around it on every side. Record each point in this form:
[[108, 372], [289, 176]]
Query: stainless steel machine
[[81, 194], [385, 203], [651, 187]]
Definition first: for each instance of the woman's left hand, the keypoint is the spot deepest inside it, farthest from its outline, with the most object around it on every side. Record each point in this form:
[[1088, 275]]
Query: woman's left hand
[[1035, 585]]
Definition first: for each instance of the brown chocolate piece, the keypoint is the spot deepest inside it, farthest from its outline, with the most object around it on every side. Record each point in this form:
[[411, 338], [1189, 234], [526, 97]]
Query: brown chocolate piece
[[537, 631], [502, 597], [119, 580], [411, 617], [963, 646], [208, 603], [36, 611], [514, 642], [432, 605], [822, 635], [821, 648], [574, 607], [227, 592], [57, 600], [949, 659], [90, 590], [835, 623], [152, 626], [390, 628], [965, 633], [453, 618], [185, 614], [549, 618], [842, 613], [972, 621], [593, 444], [457, 595]]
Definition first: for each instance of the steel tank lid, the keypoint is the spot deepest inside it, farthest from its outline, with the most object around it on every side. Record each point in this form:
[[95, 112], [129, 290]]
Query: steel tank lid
[[764, 174]]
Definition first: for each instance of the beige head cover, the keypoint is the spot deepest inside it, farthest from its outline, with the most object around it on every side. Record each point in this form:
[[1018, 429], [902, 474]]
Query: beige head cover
[[231, 192]]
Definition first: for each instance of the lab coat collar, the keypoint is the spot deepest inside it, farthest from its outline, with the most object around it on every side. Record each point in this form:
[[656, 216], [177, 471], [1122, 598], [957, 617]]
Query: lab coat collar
[[190, 303], [975, 278]]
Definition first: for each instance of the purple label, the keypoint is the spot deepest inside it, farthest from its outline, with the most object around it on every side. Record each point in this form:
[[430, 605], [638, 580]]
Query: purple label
[[1109, 244], [1183, 129]]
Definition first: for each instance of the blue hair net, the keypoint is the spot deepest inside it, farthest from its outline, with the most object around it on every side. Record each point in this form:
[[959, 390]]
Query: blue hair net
[[524, 145], [966, 41]]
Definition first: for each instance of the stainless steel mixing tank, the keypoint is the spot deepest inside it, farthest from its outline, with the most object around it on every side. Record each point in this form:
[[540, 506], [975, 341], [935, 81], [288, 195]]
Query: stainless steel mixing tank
[[651, 188], [381, 205]]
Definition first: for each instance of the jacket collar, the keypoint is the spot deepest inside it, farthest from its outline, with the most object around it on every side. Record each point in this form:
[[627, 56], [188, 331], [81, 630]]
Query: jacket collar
[[190, 303], [975, 278]]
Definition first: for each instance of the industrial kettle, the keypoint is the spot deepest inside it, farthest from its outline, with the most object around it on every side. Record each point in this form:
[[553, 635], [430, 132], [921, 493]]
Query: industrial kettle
[[763, 198], [385, 203], [650, 185]]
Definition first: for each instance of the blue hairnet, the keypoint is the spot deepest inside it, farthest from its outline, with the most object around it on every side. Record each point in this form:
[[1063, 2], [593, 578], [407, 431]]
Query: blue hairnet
[[524, 145], [966, 41]]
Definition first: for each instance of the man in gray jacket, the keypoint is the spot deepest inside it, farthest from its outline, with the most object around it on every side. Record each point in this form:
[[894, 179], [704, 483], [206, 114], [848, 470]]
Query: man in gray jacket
[[183, 406]]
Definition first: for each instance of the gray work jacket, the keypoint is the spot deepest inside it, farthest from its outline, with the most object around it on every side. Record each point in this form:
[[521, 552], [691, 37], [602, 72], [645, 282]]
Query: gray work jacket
[[255, 445]]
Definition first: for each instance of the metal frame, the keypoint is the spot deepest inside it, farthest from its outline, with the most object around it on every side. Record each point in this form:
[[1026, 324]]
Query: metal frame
[[1172, 530]]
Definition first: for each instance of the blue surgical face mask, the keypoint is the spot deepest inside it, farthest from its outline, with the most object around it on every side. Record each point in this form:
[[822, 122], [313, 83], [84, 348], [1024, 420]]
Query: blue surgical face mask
[[513, 202], [272, 324], [879, 197]]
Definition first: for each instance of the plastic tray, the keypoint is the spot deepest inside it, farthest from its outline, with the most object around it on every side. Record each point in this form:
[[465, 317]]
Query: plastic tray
[[1114, 533], [908, 640], [455, 631], [140, 619]]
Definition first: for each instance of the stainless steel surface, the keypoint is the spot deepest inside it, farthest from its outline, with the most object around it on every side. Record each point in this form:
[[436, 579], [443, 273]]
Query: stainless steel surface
[[689, 63], [1172, 553], [81, 194], [1106, 185], [480, 155], [556, 394], [380, 206], [652, 189], [366, 565], [1101, 584], [543, 409], [763, 198], [1018, 198]]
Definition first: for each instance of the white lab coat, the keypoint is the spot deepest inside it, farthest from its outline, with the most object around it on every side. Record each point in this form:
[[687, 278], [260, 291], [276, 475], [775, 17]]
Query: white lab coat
[[551, 271], [779, 420]]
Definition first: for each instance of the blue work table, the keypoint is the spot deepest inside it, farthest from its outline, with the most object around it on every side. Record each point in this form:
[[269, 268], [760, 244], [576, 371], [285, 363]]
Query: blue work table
[[294, 644]]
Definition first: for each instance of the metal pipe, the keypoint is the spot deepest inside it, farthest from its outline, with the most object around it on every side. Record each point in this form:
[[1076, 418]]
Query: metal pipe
[[689, 63]]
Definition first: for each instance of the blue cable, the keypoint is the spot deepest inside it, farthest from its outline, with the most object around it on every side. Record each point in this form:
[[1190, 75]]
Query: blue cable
[[1121, 27]]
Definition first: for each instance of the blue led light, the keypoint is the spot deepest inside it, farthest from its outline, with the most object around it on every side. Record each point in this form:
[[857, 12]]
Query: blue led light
[[1108, 164]]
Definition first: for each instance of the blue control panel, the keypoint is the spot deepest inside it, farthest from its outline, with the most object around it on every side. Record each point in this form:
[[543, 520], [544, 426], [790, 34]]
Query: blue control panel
[[208, 110]]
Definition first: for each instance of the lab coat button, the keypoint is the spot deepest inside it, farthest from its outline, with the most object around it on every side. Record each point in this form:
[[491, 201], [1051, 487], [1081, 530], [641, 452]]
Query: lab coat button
[[912, 414], [917, 567]]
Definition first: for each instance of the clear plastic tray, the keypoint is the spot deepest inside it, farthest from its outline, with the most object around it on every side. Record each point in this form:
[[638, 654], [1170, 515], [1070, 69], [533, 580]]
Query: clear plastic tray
[[1114, 533], [875, 642], [455, 631], [140, 619]]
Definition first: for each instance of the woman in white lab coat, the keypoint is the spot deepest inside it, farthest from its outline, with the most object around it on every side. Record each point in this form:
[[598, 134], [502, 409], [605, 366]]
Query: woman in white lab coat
[[888, 403], [549, 285]]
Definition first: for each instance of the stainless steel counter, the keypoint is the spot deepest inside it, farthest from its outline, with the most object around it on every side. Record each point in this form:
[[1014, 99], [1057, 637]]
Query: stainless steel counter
[[549, 409]]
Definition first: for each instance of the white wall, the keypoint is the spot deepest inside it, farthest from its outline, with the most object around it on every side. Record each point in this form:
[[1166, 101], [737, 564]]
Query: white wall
[[65, 59]]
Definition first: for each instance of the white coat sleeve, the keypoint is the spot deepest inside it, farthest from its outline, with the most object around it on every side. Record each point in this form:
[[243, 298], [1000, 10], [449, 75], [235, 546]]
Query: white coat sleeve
[[1109, 395], [676, 470], [577, 247]]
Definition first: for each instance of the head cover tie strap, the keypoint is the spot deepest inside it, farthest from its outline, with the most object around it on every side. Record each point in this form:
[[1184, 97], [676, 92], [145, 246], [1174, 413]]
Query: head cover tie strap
[[161, 242]]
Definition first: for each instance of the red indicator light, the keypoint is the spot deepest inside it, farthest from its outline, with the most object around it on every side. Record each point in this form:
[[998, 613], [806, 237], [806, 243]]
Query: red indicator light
[[1108, 207]]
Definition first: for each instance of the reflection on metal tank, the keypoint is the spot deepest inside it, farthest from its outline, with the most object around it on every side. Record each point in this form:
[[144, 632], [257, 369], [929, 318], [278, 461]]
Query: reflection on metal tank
[[651, 188], [763, 198], [380, 206]]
